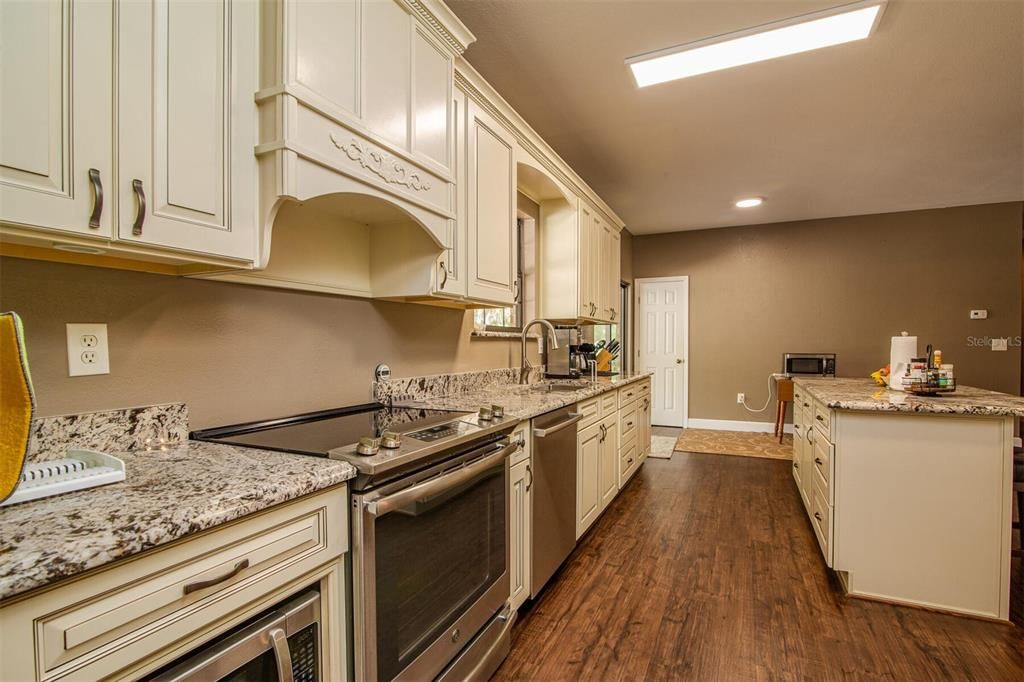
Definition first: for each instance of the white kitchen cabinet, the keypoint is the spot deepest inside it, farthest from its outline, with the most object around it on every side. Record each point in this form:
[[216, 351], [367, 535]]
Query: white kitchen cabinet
[[588, 477], [56, 116], [186, 74], [608, 477], [520, 537], [491, 202], [450, 277]]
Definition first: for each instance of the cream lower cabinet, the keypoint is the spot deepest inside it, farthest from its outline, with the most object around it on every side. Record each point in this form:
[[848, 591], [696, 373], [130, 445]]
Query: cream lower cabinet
[[56, 113], [520, 535], [186, 74], [634, 415], [609, 470], [588, 477], [138, 615]]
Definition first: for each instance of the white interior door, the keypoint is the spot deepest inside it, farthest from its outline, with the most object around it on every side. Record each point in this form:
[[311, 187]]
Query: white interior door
[[662, 332]]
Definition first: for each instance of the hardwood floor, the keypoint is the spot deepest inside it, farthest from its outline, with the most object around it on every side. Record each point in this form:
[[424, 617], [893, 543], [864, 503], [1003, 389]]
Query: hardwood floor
[[706, 568]]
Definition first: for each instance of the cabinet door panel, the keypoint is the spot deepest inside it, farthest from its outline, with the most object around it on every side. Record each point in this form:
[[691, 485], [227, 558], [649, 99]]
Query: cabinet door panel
[[327, 50], [589, 254], [451, 265], [56, 94], [491, 169], [609, 475], [432, 76], [519, 532], [588, 464], [187, 125], [386, 50]]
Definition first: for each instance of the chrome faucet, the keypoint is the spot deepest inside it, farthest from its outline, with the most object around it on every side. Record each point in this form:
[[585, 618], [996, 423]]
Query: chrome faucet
[[524, 366]]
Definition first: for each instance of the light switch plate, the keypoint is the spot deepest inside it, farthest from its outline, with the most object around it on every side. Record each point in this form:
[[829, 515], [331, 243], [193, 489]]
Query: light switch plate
[[999, 344], [87, 349], [979, 314]]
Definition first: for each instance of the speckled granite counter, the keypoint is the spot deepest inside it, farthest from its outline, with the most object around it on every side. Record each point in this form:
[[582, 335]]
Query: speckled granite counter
[[529, 400], [168, 493], [866, 395]]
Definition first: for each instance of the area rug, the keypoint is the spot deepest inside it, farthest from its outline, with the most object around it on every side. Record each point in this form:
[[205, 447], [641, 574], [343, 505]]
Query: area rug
[[662, 446], [741, 443]]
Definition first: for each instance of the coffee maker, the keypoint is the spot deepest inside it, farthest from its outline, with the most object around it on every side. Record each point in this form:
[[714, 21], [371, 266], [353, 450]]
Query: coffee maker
[[566, 361]]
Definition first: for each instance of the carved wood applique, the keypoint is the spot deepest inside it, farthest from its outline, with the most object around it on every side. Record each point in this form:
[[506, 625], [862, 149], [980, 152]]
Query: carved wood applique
[[381, 164]]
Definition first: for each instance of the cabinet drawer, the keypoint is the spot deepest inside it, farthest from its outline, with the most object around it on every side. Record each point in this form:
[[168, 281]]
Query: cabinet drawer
[[591, 411], [821, 520], [629, 421], [628, 394], [629, 460], [801, 401], [185, 588], [521, 434], [823, 419], [821, 459], [645, 388], [609, 404]]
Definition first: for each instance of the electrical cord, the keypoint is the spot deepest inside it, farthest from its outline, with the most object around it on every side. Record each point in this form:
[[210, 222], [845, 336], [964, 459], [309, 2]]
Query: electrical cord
[[768, 402]]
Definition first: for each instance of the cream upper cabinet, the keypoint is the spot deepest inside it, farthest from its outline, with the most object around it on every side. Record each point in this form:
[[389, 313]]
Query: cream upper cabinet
[[187, 123], [56, 116], [491, 202], [452, 263], [611, 242]]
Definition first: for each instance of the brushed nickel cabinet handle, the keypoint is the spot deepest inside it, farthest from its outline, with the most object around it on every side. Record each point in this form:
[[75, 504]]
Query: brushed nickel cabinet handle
[[444, 273], [140, 213], [817, 515], [819, 418], [529, 481], [97, 198], [203, 584], [817, 460]]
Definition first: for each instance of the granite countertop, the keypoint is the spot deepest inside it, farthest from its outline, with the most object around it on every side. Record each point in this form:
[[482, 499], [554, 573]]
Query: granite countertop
[[528, 400], [168, 494], [865, 394]]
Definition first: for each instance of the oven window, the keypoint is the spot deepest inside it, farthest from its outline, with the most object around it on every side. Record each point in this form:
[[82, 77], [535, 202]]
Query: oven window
[[434, 559], [805, 366]]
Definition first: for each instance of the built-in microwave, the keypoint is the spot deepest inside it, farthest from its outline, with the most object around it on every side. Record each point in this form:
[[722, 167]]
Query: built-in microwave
[[281, 645], [809, 364]]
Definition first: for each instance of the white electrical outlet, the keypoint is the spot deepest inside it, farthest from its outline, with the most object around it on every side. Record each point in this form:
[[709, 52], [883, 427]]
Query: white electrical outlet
[[740, 398], [999, 344], [87, 350], [979, 314]]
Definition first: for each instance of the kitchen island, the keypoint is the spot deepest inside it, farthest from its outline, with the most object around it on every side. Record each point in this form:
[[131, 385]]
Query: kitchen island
[[910, 497]]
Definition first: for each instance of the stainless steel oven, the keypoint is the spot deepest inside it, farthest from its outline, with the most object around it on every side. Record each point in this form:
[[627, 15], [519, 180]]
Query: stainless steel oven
[[430, 569], [282, 645]]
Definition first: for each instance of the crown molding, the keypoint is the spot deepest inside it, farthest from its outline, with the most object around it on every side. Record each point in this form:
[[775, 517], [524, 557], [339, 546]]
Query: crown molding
[[444, 23]]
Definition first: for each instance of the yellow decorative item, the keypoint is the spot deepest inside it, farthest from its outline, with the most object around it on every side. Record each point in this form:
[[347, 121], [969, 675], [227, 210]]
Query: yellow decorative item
[[881, 376], [17, 402]]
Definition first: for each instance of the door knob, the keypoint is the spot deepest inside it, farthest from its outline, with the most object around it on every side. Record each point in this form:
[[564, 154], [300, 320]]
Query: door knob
[[679, 361]]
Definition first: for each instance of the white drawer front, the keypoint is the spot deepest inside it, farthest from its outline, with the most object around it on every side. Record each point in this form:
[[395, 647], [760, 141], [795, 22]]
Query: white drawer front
[[609, 404], [629, 421], [591, 411]]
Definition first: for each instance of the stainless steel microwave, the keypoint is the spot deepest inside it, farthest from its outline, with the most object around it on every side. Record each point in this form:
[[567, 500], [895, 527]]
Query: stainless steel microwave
[[809, 364]]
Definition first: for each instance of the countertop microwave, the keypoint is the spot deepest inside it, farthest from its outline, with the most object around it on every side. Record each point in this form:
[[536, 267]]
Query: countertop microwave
[[809, 364]]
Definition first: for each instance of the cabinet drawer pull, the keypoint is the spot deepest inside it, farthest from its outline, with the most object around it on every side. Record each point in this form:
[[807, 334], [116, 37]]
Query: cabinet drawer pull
[[796, 465], [629, 423], [529, 478], [140, 213], [444, 275], [817, 515], [203, 584], [817, 460], [807, 404], [97, 198], [819, 418]]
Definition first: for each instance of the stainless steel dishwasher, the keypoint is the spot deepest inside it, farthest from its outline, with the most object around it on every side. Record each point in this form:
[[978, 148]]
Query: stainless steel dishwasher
[[553, 510]]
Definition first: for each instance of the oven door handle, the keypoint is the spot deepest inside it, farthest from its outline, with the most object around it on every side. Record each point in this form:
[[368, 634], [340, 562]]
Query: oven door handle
[[437, 485], [573, 418]]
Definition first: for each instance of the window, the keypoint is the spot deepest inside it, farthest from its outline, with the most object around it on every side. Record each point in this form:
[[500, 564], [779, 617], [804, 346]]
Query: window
[[512, 318]]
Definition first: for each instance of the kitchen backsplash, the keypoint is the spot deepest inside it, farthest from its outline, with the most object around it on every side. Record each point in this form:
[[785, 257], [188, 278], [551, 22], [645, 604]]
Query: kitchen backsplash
[[135, 428], [416, 388]]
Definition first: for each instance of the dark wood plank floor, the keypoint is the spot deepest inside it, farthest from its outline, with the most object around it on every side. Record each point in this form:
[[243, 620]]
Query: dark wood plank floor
[[705, 568]]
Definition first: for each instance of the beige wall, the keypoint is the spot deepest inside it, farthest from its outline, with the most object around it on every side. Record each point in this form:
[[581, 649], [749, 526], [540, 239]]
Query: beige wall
[[232, 352], [843, 285]]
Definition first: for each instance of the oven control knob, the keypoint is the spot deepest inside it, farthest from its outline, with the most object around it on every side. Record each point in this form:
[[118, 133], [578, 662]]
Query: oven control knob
[[486, 414], [498, 411], [390, 440], [368, 446]]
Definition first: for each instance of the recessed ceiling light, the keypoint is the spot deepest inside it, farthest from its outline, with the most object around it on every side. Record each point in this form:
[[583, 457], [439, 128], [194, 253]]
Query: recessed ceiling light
[[750, 202], [834, 26]]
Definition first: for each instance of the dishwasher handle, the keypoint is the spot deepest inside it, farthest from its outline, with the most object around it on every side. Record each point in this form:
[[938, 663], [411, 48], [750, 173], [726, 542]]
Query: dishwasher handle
[[573, 418]]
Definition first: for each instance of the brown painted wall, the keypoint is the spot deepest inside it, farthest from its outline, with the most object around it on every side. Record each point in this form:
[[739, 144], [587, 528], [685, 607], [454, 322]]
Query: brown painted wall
[[232, 352], [843, 285], [626, 250]]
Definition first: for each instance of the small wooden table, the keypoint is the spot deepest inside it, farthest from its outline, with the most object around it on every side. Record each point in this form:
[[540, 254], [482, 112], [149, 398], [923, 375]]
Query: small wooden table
[[784, 391]]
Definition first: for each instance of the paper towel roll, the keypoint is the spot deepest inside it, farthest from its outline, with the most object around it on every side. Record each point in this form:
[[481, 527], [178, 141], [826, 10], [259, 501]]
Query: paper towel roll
[[903, 349]]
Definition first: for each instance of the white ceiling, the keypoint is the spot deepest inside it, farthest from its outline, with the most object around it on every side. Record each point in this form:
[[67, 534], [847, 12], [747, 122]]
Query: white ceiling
[[927, 112]]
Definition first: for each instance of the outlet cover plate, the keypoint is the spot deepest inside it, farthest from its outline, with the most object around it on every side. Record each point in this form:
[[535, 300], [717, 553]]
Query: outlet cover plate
[[87, 349], [979, 314]]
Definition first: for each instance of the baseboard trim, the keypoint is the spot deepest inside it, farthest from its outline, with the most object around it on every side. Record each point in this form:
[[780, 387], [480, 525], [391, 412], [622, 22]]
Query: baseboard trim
[[731, 425]]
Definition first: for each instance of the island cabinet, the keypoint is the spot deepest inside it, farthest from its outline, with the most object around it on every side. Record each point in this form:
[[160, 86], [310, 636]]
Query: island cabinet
[[179, 86], [136, 616], [909, 498], [634, 405], [519, 500]]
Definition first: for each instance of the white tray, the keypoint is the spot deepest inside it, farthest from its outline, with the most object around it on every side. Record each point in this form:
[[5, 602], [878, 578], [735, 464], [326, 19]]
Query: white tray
[[81, 469]]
